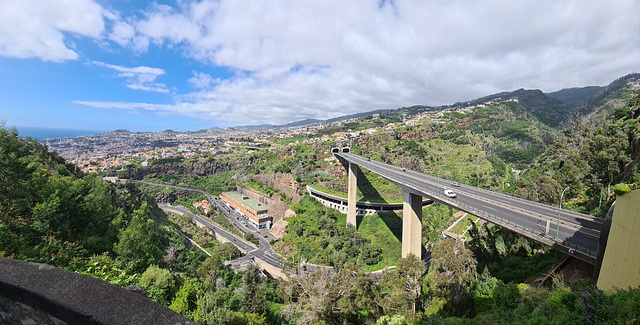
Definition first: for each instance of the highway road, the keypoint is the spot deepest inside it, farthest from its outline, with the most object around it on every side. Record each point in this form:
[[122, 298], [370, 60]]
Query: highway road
[[263, 251], [576, 229]]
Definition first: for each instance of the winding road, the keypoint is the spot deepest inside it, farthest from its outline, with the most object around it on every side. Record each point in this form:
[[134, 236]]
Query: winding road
[[263, 251]]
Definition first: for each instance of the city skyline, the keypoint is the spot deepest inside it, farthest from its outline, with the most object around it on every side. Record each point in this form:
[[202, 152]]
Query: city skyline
[[106, 65]]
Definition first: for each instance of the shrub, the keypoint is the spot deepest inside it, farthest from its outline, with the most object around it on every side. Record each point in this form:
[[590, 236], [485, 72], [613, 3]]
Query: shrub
[[157, 279], [506, 295], [621, 189], [594, 305]]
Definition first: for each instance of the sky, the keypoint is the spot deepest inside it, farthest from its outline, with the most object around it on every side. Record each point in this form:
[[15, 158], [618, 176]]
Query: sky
[[191, 65]]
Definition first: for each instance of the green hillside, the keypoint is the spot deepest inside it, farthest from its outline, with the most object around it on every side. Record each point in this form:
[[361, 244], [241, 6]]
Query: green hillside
[[52, 213], [590, 158], [575, 97]]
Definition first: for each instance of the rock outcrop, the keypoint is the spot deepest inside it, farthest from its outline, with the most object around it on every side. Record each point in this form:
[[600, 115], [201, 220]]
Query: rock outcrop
[[195, 168], [282, 182]]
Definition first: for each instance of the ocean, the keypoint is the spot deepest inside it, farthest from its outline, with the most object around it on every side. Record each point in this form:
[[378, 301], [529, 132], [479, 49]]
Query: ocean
[[50, 133]]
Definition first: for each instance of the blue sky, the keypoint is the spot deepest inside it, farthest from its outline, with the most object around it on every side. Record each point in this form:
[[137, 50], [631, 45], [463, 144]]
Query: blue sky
[[190, 65]]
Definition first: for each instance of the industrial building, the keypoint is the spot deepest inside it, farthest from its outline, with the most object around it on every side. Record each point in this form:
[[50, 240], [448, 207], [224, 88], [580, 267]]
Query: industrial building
[[255, 211]]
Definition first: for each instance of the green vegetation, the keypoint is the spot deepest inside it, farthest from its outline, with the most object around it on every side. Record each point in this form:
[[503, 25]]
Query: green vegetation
[[436, 218], [165, 161], [320, 236], [50, 213], [214, 184], [589, 159], [462, 226], [117, 234], [509, 257]]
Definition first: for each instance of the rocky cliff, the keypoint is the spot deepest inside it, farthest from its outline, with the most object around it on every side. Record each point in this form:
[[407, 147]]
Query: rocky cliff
[[282, 182], [194, 168]]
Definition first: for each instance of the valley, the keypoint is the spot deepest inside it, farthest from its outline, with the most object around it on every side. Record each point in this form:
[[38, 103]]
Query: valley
[[127, 208]]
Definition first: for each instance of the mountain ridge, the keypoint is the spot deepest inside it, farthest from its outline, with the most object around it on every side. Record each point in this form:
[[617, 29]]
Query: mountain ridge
[[554, 109], [310, 121]]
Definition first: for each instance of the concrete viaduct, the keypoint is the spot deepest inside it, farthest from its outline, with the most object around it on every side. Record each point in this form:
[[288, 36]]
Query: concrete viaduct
[[572, 233], [611, 245]]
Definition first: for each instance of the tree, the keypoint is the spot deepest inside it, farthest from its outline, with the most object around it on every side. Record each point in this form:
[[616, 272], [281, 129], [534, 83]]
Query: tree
[[252, 290], [158, 279], [323, 297], [139, 241], [209, 270], [308, 298], [550, 189], [355, 295], [256, 319], [402, 287], [185, 300], [607, 156], [454, 273]]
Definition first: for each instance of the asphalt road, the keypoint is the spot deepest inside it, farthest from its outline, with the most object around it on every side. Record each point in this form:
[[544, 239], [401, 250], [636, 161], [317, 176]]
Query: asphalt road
[[575, 228], [264, 250]]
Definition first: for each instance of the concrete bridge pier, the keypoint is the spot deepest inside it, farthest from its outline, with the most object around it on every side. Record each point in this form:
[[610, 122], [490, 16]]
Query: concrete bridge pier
[[352, 209], [412, 225], [618, 263]]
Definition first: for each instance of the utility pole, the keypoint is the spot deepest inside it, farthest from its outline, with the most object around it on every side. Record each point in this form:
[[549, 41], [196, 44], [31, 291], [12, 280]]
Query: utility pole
[[560, 211], [478, 172]]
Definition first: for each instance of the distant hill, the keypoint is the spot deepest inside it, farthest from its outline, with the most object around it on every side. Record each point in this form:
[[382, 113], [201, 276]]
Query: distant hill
[[548, 110], [558, 108], [575, 97], [310, 121], [608, 98], [554, 109]]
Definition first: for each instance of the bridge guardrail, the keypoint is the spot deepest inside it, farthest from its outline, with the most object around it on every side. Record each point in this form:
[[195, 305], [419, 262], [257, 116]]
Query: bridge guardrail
[[510, 224], [533, 233], [582, 213]]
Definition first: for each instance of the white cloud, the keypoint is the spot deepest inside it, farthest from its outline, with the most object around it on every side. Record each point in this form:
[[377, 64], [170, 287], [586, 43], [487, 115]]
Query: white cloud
[[319, 59], [36, 28], [122, 33], [138, 78], [202, 80], [196, 110], [116, 105]]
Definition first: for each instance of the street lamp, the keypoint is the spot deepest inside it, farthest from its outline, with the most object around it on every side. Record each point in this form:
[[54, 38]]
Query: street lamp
[[559, 211], [438, 189], [478, 172]]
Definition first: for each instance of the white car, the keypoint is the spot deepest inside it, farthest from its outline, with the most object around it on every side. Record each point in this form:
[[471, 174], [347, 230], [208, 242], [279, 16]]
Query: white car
[[450, 193]]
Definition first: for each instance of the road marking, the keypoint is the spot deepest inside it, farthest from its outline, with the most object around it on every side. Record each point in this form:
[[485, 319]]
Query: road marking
[[490, 208]]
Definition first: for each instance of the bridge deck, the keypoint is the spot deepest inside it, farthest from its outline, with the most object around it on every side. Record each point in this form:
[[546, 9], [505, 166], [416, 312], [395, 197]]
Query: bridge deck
[[578, 233]]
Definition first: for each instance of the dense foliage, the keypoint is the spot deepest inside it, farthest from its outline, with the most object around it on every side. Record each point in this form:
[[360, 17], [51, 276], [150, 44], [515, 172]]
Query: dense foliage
[[49, 213], [316, 236], [589, 159]]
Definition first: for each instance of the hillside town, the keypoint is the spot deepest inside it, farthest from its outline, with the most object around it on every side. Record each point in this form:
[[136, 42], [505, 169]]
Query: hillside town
[[115, 150]]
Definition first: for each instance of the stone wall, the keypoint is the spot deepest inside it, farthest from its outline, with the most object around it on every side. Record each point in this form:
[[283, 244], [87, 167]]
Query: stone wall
[[78, 299], [273, 271]]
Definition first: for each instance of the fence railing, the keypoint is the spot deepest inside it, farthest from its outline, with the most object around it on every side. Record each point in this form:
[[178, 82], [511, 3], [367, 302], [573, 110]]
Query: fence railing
[[535, 234], [532, 233]]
